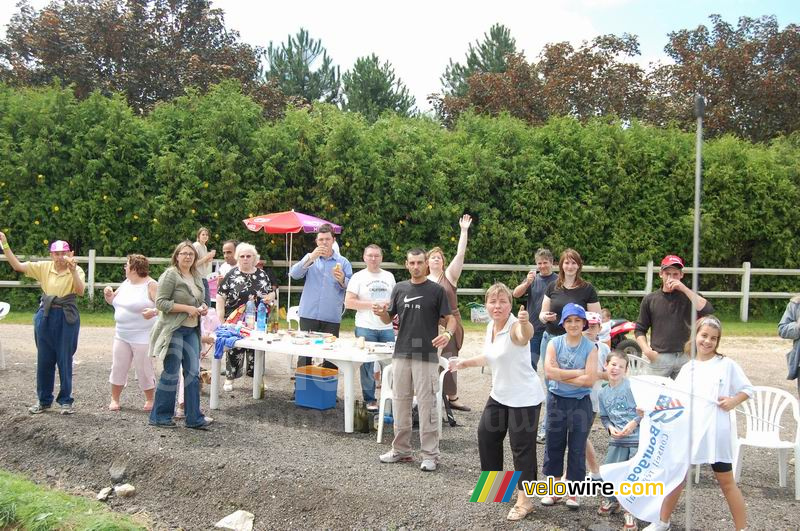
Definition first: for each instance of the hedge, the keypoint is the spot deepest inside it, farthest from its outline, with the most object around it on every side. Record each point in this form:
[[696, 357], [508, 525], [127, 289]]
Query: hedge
[[96, 174]]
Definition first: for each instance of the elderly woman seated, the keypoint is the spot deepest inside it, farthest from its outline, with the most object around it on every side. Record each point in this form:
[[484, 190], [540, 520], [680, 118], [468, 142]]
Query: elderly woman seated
[[242, 282]]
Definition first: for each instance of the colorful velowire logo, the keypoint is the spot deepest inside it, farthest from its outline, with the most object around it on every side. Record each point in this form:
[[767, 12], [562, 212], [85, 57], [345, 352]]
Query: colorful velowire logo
[[495, 486], [666, 409]]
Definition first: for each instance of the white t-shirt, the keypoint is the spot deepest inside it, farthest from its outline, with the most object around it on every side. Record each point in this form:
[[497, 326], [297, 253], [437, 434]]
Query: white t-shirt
[[371, 287], [712, 379], [128, 304], [224, 269], [514, 382]]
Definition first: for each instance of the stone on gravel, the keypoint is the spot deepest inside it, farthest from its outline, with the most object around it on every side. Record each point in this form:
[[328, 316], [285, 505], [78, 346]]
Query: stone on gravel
[[104, 494], [125, 490], [238, 521], [117, 471]]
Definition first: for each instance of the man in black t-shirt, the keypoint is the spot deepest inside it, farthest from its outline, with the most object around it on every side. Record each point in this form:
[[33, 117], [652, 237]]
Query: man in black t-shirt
[[419, 304], [667, 315], [535, 285]]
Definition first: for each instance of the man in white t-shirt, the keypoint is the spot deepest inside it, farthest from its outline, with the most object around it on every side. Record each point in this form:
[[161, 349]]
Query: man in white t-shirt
[[369, 285]]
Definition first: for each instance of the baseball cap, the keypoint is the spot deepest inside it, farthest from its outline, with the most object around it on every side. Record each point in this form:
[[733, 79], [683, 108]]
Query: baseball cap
[[594, 318], [672, 260], [573, 309], [59, 245]]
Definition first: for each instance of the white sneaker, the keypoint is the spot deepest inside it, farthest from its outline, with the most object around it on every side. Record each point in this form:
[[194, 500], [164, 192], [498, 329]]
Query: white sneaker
[[227, 386], [658, 526], [573, 503], [428, 465], [547, 501], [392, 457]]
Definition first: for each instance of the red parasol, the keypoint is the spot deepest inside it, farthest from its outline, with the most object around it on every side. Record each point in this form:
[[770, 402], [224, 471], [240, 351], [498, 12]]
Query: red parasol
[[288, 222]]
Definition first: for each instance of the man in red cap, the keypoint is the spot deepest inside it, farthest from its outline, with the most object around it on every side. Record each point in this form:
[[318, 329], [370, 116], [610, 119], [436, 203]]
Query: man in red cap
[[667, 315], [56, 323]]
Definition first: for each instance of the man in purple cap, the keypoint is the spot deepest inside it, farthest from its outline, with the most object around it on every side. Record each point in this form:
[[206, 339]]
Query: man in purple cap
[[667, 314], [56, 323]]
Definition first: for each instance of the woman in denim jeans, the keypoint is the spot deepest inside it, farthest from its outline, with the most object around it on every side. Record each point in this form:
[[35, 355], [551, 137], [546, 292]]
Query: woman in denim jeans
[[176, 338]]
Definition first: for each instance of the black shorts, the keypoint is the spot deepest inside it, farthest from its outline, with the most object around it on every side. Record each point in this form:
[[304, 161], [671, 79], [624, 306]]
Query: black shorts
[[721, 467]]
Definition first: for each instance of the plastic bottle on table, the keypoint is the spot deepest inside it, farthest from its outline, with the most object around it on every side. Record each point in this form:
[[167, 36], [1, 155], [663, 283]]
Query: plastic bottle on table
[[250, 313], [261, 318]]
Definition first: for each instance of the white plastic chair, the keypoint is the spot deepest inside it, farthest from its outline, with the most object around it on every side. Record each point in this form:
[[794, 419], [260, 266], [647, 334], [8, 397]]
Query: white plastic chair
[[386, 394], [293, 314], [764, 413], [4, 309], [637, 365]]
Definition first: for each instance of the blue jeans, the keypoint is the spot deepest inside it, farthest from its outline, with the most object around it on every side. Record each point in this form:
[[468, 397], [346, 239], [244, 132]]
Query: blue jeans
[[56, 343], [184, 350], [568, 423], [536, 345], [367, 375]]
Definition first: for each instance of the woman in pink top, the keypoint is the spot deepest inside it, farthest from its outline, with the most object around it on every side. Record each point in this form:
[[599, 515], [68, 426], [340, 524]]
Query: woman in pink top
[[133, 305]]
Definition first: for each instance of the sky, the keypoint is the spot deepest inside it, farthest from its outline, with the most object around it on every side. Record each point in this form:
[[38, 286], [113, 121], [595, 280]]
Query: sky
[[420, 37]]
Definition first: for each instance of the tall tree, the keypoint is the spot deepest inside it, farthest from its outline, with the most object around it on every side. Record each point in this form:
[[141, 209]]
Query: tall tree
[[484, 56], [301, 67], [149, 50], [749, 74], [589, 81], [595, 79], [371, 88]]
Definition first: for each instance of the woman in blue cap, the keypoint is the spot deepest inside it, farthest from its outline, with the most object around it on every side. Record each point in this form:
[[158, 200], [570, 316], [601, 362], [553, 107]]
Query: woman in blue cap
[[56, 323], [571, 368]]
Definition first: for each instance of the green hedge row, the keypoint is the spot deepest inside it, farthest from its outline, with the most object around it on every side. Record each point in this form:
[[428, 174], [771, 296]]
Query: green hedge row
[[94, 173]]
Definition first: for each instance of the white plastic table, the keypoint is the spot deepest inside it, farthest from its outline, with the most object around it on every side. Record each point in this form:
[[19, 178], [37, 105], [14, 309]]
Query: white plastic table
[[343, 353]]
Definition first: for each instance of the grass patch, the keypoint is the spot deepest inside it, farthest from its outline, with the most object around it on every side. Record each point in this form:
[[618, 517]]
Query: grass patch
[[34, 508], [734, 327], [87, 318]]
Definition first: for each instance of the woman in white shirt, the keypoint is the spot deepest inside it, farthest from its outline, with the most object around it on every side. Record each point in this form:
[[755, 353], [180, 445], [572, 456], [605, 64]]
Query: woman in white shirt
[[133, 305], [516, 394]]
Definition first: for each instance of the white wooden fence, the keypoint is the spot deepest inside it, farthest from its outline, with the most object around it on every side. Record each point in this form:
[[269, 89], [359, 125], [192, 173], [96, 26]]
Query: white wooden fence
[[744, 294]]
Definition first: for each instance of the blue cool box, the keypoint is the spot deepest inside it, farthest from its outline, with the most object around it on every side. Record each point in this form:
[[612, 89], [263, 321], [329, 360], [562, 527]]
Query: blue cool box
[[315, 387]]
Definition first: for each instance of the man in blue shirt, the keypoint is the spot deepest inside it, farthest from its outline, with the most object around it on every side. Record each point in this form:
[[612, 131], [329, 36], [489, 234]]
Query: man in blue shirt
[[326, 273]]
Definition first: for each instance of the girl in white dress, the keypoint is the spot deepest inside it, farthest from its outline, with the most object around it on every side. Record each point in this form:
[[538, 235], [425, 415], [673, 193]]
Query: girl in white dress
[[722, 380]]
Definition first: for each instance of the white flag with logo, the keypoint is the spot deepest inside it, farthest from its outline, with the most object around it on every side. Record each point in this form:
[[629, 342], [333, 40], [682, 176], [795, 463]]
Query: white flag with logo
[[663, 454]]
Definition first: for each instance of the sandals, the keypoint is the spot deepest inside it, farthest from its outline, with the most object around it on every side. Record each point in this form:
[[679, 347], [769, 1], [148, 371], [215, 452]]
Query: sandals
[[455, 404], [518, 512]]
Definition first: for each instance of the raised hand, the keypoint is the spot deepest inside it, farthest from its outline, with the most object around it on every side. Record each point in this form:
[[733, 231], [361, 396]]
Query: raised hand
[[523, 316], [465, 221]]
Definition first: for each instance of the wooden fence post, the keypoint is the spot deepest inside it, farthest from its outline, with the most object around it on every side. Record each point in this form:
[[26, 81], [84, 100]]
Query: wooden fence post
[[648, 281], [744, 307], [90, 280]]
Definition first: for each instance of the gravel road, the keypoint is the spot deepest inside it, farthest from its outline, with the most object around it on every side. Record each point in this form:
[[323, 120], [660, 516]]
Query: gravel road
[[295, 468]]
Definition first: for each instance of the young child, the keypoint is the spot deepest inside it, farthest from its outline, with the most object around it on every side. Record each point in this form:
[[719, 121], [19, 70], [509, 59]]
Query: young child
[[605, 326], [571, 368], [730, 388], [594, 320], [619, 416]]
